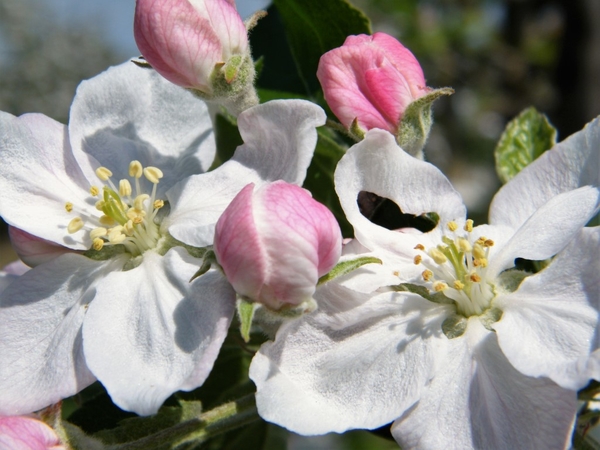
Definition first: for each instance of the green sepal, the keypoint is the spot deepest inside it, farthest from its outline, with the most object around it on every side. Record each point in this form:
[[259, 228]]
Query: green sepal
[[416, 122], [490, 317], [437, 297], [524, 139], [140, 61], [232, 67], [245, 310], [511, 279], [454, 326], [345, 267], [107, 252], [356, 131], [207, 262]]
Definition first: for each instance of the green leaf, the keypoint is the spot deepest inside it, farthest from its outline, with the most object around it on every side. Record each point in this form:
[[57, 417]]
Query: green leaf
[[525, 138], [314, 27], [348, 266]]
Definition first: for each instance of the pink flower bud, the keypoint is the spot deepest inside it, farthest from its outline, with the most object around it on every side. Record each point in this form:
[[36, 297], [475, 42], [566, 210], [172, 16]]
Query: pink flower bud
[[184, 40], [26, 433], [371, 78], [275, 243]]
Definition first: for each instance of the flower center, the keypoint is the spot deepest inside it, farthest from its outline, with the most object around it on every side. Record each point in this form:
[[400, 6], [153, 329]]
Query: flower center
[[126, 220], [458, 269]]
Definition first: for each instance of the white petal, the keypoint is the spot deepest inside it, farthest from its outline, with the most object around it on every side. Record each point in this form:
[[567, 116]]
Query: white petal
[[567, 166], [33, 250], [279, 141], [150, 332], [378, 165], [550, 321], [549, 229], [130, 113], [38, 175], [478, 400], [314, 379], [40, 339]]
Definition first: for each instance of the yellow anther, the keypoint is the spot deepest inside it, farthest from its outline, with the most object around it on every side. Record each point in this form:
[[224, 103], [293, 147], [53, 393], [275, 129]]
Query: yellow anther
[[452, 225], [469, 225], [97, 244], [458, 285], [419, 247], [98, 232], [116, 238], [94, 190], [437, 256], [137, 220], [396, 273], [427, 275], [99, 205], [439, 286], [418, 259], [103, 173], [106, 220], [480, 262], [474, 278], [128, 228], [158, 204], [135, 169], [153, 174], [464, 245], [138, 202], [124, 188], [69, 206], [478, 251], [135, 213], [75, 225], [481, 240], [488, 243]]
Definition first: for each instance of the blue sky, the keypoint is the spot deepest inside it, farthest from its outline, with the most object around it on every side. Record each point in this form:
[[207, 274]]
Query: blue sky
[[114, 18]]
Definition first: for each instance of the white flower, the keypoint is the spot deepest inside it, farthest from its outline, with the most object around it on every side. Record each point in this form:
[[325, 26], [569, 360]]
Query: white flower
[[488, 359], [117, 188]]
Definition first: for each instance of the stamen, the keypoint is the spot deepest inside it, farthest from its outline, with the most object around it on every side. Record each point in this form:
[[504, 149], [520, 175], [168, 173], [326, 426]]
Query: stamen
[[427, 275], [69, 206], [153, 174], [103, 173], [464, 245], [158, 204], [437, 256], [138, 202], [94, 190], [474, 278], [75, 225], [488, 243], [439, 286], [469, 225], [124, 188], [478, 251], [419, 247], [458, 285], [452, 225], [107, 220], [98, 232], [418, 259], [97, 244], [482, 262], [135, 169]]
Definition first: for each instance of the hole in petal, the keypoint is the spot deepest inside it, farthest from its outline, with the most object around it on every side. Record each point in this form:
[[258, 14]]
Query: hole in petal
[[385, 213]]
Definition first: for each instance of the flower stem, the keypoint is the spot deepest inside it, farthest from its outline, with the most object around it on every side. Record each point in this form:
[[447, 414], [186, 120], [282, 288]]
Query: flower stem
[[207, 425]]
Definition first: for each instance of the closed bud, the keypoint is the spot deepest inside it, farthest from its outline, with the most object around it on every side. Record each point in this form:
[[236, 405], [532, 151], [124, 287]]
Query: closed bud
[[201, 45], [275, 243]]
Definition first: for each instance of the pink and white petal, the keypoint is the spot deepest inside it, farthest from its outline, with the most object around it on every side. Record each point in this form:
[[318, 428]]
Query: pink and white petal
[[389, 91], [27, 433], [15, 268], [40, 340], [478, 400], [549, 229], [38, 176], [279, 140], [33, 250], [549, 323], [150, 332], [229, 27], [130, 113], [314, 379], [378, 165], [573, 163]]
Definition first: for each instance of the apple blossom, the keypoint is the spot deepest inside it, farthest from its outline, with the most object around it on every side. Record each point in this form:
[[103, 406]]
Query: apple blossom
[[447, 338], [123, 188], [201, 45], [27, 433], [275, 242], [372, 79]]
